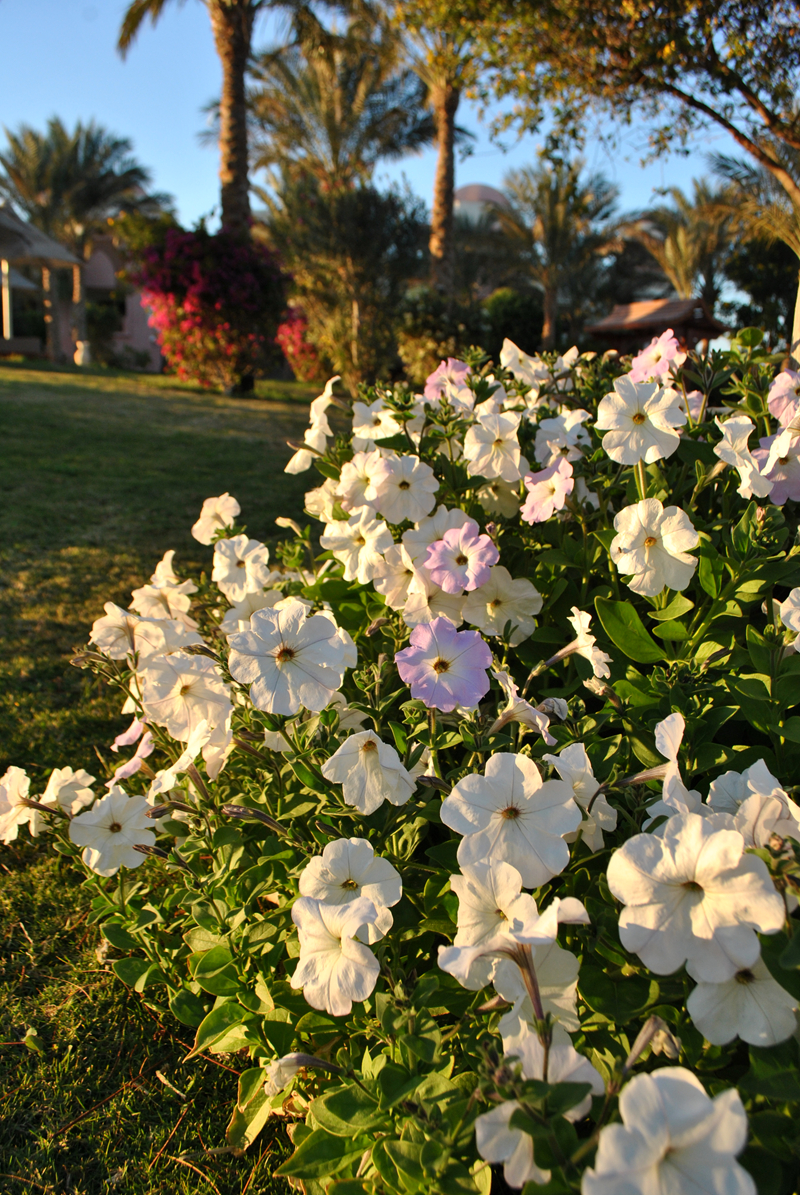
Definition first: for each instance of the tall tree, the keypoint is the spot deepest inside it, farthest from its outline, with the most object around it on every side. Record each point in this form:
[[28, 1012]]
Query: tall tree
[[232, 25], [70, 183], [690, 239], [332, 104], [761, 209], [685, 64], [440, 51], [557, 225]]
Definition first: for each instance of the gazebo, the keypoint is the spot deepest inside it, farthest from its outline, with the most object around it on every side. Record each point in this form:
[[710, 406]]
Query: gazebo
[[630, 325], [23, 244]]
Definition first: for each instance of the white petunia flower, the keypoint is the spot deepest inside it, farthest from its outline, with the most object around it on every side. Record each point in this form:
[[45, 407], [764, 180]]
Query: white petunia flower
[[531, 371], [519, 710], [120, 633], [217, 513], [497, 1142], [573, 766], [402, 487], [393, 576], [334, 969], [733, 450], [751, 1005], [676, 798], [358, 543], [518, 941], [68, 790], [347, 869], [492, 449], [757, 803], [418, 539], [651, 547], [790, 616], [500, 497], [426, 601], [639, 419], [557, 980], [180, 691], [240, 613], [317, 433], [369, 771], [510, 814], [110, 830], [165, 596], [240, 565], [14, 789], [356, 478], [371, 423], [562, 438], [584, 645], [321, 502], [281, 1072], [288, 659], [167, 778], [490, 899], [503, 599], [673, 1139], [693, 894]]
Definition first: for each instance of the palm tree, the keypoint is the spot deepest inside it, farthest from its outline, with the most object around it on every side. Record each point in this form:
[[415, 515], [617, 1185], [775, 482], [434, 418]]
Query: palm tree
[[440, 51], [556, 225], [690, 240], [330, 105], [232, 25], [760, 208], [70, 184]]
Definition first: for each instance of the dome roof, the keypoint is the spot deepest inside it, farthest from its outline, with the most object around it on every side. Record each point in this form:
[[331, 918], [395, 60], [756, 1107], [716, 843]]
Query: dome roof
[[479, 193]]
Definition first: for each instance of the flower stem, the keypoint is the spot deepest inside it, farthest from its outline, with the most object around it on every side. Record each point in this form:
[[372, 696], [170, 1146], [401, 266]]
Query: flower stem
[[641, 479]]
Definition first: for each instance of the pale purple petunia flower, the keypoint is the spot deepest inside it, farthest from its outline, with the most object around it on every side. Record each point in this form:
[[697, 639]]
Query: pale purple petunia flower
[[548, 490], [445, 667], [447, 379], [461, 559], [784, 397], [656, 361]]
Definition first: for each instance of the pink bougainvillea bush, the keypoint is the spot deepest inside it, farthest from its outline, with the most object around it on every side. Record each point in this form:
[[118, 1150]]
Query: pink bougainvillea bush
[[471, 840], [302, 356], [215, 302]]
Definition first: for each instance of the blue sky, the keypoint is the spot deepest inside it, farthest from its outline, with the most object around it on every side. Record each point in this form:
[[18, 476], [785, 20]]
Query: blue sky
[[60, 58]]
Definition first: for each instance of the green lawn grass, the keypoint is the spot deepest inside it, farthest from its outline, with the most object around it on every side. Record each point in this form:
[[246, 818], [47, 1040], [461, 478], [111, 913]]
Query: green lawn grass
[[100, 474]]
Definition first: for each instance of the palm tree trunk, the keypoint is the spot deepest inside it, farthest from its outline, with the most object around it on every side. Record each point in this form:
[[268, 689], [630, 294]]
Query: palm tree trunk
[[51, 314], [794, 348], [445, 97], [78, 306], [232, 24], [550, 316]]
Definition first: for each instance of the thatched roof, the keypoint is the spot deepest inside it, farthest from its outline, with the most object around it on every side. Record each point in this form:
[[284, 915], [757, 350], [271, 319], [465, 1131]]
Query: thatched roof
[[24, 244], [655, 315]]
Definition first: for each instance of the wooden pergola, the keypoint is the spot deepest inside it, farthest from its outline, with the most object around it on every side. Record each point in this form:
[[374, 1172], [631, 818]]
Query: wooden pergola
[[23, 244], [629, 326]]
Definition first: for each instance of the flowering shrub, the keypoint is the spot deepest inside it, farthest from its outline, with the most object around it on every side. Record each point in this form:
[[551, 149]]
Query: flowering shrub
[[292, 336], [473, 836], [215, 302]]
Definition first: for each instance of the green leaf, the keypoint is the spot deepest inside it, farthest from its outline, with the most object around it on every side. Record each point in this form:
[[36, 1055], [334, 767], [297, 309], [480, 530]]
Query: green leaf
[[320, 1155], [674, 631], [605, 537], [130, 970], [621, 998], [248, 1121], [679, 606], [563, 1096], [216, 973], [774, 1072], [406, 1156], [346, 1111], [187, 1008], [304, 774], [400, 737], [250, 1083], [790, 959], [276, 1027], [626, 631], [119, 938], [33, 1041], [744, 533], [326, 468], [223, 1027], [711, 570]]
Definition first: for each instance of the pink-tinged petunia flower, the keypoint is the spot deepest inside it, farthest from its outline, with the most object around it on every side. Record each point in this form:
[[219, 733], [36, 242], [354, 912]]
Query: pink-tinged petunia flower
[[779, 460], [657, 360], [445, 667], [448, 381], [131, 766], [461, 559], [548, 490], [784, 397]]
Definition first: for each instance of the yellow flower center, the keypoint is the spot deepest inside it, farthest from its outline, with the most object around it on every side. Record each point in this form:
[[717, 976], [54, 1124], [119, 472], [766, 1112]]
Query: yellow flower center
[[639, 417], [650, 542], [440, 665]]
